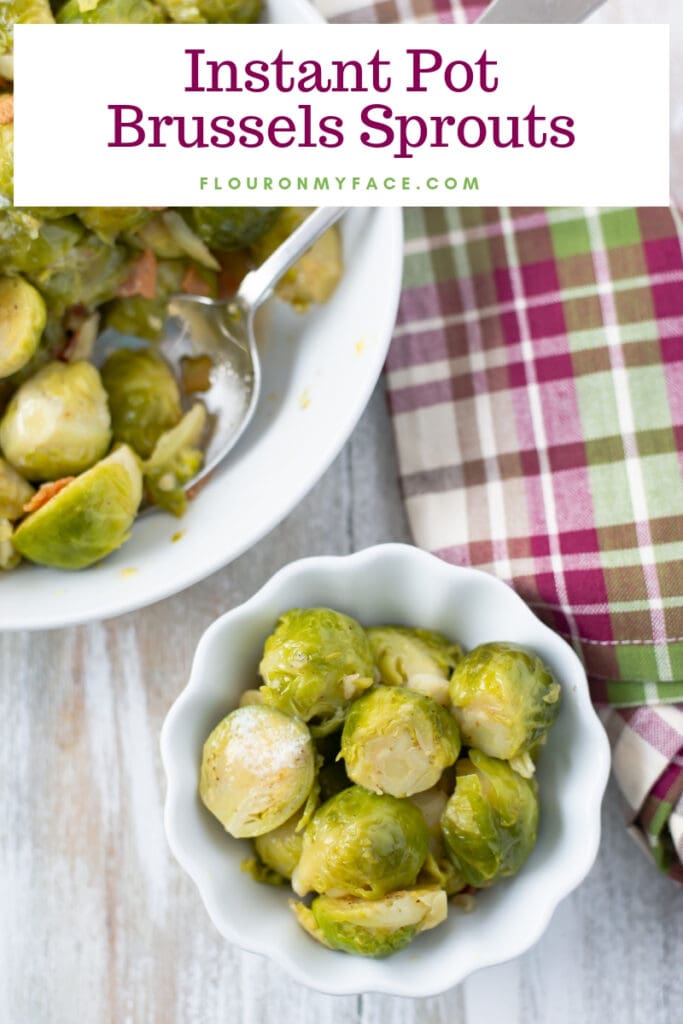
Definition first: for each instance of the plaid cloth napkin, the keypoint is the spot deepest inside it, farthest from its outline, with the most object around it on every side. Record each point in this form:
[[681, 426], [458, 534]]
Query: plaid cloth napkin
[[536, 386]]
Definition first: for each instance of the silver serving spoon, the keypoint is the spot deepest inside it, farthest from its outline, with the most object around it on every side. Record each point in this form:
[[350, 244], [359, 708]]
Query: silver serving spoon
[[224, 331]]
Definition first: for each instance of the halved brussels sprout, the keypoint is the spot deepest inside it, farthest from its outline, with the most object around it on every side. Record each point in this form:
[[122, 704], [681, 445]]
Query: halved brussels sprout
[[22, 322], [504, 699], [420, 659], [316, 274], [176, 459], [398, 742], [361, 844], [374, 928], [490, 822], [314, 664], [144, 398], [231, 227], [9, 556], [57, 423], [280, 849], [86, 520], [258, 768], [109, 12], [14, 492]]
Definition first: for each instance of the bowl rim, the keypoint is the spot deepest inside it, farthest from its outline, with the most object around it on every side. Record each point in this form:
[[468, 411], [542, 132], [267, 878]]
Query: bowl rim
[[585, 853]]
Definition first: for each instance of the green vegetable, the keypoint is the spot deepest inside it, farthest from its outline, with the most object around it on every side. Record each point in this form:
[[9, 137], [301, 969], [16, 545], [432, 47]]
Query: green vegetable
[[374, 928], [107, 222], [420, 659], [13, 12], [144, 398], [219, 11], [9, 556], [361, 844], [231, 227], [397, 741], [280, 849], [176, 459], [57, 423], [6, 160], [22, 322], [110, 12], [258, 768], [504, 699], [490, 822], [316, 274], [314, 664], [14, 492], [88, 519]]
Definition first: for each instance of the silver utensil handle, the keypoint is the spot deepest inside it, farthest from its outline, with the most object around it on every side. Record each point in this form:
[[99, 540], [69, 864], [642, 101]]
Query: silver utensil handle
[[258, 284], [541, 12]]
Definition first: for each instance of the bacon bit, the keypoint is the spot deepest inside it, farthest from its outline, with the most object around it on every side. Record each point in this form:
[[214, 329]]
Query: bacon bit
[[234, 265], [195, 373], [193, 491], [6, 109], [47, 491], [142, 279], [194, 284]]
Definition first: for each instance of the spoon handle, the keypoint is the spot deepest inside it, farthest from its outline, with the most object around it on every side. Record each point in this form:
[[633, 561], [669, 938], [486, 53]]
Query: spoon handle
[[258, 284], [530, 12]]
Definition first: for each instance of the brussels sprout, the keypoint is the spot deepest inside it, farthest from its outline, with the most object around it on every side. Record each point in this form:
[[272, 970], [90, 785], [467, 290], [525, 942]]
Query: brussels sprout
[[109, 221], [9, 556], [213, 11], [170, 237], [87, 519], [374, 928], [417, 658], [6, 164], [14, 492], [13, 12], [258, 768], [22, 322], [361, 844], [109, 12], [176, 459], [92, 271], [280, 849], [144, 398], [504, 699], [57, 423], [490, 822], [34, 247], [231, 227], [316, 274], [314, 664], [398, 742]]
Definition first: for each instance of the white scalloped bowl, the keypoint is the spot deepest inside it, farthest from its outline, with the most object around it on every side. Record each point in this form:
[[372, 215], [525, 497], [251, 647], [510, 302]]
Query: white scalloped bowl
[[398, 584]]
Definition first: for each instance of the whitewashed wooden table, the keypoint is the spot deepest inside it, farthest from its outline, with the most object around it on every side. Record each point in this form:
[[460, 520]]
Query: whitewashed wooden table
[[98, 925]]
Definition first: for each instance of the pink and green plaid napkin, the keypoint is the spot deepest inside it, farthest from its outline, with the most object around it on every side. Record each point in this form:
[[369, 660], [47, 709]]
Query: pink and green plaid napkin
[[536, 386]]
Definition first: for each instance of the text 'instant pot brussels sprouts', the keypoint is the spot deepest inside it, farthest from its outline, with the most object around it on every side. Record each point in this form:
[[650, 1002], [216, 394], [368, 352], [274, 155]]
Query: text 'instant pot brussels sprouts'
[[379, 822]]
